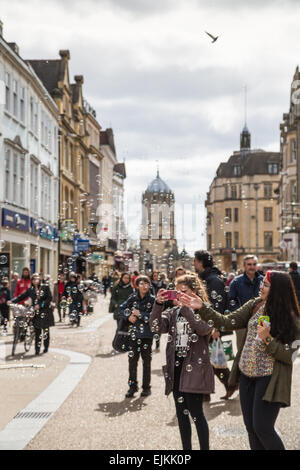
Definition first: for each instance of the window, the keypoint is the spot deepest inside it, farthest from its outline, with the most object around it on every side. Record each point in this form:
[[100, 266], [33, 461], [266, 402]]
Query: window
[[268, 241], [237, 170], [236, 239], [7, 174], [14, 183], [226, 191], [272, 168], [34, 187], [35, 117], [15, 98], [236, 214], [293, 191], [65, 153], [228, 239], [46, 195], [233, 192], [227, 215], [71, 204], [22, 104], [7, 91], [293, 151], [268, 190], [268, 214], [31, 114]]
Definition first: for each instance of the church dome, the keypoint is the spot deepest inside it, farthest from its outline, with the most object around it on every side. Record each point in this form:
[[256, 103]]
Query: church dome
[[158, 186]]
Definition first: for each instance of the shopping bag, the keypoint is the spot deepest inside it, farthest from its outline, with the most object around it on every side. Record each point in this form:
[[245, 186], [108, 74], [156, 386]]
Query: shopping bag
[[228, 349], [121, 341], [217, 356]]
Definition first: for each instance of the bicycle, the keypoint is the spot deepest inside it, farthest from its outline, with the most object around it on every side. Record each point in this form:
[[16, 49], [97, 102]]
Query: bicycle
[[23, 328]]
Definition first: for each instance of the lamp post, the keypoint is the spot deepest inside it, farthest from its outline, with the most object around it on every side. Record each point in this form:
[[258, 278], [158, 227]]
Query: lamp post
[[256, 188]]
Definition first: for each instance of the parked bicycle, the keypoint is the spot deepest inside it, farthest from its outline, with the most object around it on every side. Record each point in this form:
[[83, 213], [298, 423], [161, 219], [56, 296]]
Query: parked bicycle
[[23, 329]]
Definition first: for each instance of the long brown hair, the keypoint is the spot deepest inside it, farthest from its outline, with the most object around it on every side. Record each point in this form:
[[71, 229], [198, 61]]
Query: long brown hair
[[194, 283], [282, 307]]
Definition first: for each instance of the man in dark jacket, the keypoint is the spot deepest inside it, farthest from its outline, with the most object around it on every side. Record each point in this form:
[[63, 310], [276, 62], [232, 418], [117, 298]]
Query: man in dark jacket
[[243, 288], [215, 286], [295, 278], [5, 296], [137, 309]]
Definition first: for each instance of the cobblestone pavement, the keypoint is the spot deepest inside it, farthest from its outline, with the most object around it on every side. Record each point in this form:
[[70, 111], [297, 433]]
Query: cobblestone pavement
[[97, 416]]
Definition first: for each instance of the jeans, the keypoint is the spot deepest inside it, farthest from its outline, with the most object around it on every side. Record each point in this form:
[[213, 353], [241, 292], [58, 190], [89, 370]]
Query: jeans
[[145, 350], [191, 402], [259, 415]]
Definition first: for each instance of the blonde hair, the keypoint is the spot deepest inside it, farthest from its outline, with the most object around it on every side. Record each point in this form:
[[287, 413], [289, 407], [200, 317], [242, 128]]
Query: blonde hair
[[194, 283]]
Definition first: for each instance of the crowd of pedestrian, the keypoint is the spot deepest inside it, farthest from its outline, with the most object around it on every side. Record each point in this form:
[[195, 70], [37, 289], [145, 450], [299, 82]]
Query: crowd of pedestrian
[[195, 310]]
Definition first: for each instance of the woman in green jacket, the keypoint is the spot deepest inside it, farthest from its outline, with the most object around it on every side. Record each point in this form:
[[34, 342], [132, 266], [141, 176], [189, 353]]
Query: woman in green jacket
[[119, 294], [264, 362]]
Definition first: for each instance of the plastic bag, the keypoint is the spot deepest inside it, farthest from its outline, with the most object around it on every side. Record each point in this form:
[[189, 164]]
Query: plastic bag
[[218, 357], [228, 349]]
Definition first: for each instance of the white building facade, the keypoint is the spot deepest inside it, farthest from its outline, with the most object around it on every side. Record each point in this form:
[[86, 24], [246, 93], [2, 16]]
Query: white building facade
[[29, 175]]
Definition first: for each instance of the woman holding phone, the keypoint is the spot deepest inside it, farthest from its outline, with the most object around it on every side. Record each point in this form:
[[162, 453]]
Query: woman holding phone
[[263, 364], [188, 372]]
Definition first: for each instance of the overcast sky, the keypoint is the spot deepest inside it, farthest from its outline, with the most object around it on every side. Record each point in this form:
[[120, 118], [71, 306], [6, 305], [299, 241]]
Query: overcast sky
[[153, 75]]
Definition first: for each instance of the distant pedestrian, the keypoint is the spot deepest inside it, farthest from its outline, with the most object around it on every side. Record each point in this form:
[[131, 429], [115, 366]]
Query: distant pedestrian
[[120, 294], [23, 284], [13, 283], [105, 284], [188, 372], [41, 297], [5, 296], [264, 362], [229, 279], [133, 278], [58, 296], [74, 297], [243, 288], [294, 273], [137, 310]]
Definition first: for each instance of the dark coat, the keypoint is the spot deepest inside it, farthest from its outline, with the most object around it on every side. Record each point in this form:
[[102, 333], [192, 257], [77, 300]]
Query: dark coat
[[201, 378], [4, 297], [141, 327], [243, 289], [296, 281], [215, 287], [279, 388], [119, 294], [44, 318], [155, 286], [71, 290]]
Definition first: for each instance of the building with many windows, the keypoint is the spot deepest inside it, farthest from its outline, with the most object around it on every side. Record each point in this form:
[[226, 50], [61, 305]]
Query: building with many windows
[[242, 206], [289, 207], [73, 150], [29, 167]]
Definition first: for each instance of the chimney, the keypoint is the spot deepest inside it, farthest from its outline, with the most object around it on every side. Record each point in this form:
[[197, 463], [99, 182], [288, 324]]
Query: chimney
[[14, 47], [65, 54], [1, 28]]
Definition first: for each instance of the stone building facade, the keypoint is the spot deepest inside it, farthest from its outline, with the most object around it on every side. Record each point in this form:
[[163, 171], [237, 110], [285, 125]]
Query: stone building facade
[[158, 245], [289, 200], [242, 206]]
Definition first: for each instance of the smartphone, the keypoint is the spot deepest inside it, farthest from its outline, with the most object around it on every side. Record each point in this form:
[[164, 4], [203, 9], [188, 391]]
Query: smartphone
[[171, 294], [262, 319]]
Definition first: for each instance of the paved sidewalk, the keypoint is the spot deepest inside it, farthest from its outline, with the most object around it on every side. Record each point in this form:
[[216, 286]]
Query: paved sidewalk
[[97, 415]]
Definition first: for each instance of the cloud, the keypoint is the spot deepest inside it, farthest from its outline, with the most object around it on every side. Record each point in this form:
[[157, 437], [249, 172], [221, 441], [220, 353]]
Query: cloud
[[170, 95]]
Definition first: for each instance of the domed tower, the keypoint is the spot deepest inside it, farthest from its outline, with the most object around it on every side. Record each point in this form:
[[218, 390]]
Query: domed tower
[[158, 243]]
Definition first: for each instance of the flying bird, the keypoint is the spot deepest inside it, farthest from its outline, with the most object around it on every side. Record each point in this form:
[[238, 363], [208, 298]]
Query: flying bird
[[213, 37]]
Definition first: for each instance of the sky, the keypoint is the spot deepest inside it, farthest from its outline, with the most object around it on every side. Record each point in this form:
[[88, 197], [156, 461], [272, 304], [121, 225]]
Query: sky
[[172, 97]]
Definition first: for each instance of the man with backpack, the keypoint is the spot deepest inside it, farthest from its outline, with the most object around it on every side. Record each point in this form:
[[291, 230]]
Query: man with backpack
[[212, 277]]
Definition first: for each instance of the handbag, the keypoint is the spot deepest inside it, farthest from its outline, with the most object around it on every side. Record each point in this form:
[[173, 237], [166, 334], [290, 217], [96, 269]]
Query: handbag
[[228, 349], [121, 341], [217, 356]]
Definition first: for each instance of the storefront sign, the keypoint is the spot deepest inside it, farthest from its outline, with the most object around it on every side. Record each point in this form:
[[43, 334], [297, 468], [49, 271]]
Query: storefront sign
[[15, 220], [44, 230], [81, 245]]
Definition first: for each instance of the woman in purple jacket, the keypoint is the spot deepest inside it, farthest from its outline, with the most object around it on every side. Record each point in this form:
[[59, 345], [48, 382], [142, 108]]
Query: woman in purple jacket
[[188, 373]]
